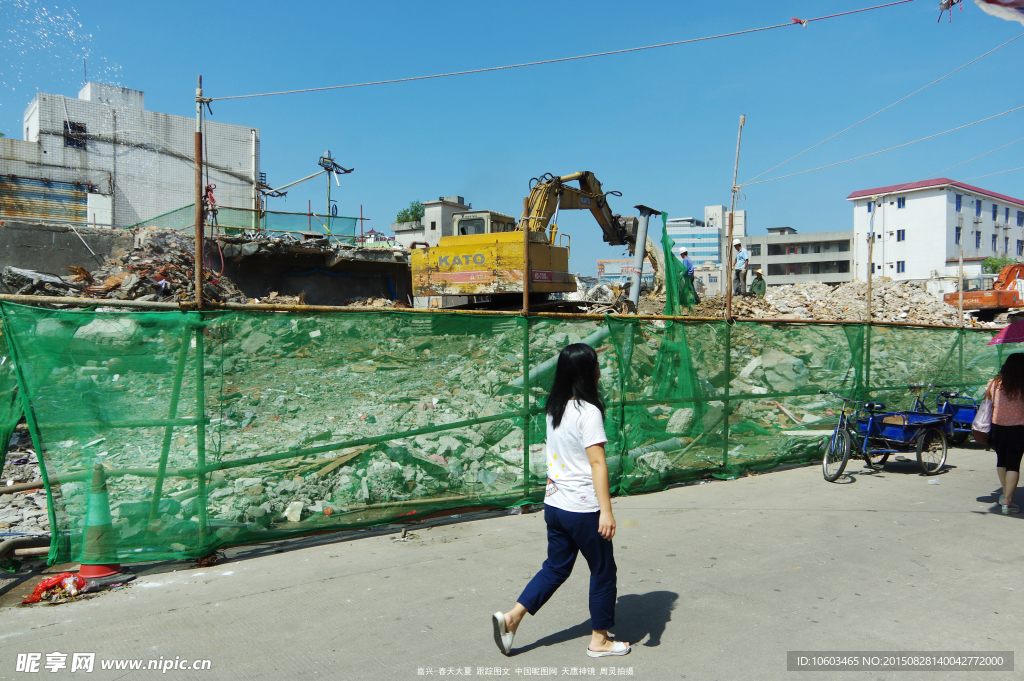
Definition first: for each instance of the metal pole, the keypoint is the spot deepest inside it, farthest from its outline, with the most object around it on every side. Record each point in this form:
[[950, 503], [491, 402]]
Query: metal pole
[[527, 274], [179, 372], [732, 209], [201, 434], [199, 195], [526, 407], [871, 250], [960, 282], [639, 252]]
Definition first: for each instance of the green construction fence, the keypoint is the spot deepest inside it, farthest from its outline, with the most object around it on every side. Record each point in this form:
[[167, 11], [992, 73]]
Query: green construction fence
[[229, 427]]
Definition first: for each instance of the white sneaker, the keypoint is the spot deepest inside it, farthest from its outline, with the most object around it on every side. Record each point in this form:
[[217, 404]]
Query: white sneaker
[[502, 637]]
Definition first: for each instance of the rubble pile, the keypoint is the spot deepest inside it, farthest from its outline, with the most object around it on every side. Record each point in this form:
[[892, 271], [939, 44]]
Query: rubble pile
[[23, 513], [892, 301], [292, 383], [159, 267]]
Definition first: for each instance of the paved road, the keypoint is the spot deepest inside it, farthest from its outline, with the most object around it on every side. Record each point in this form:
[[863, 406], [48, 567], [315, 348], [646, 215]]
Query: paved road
[[716, 581]]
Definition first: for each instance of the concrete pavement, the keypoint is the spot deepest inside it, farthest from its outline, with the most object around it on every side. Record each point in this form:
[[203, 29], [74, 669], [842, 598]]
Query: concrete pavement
[[716, 581]]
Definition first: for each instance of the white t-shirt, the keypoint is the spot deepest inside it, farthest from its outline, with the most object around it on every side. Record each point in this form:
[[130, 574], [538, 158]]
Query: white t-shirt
[[570, 478]]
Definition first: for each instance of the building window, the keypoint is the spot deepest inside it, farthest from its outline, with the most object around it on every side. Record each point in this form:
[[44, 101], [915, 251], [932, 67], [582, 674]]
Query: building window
[[844, 266], [901, 202], [993, 242], [977, 208], [995, 212], [901, 266], [755, 249], [901, 235], [815, 268], [712, 279], [844, 245], [433, 226], [871, 206], [754, 266], [803, 249], [817, 248], [1020, 218], [1006, 244], [1007, 215], [977, 239], [74, 135], [959, 203], [1020, 247], [958, 230]]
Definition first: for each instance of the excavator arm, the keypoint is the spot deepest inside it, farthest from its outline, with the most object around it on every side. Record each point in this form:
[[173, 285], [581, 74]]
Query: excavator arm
[[551, 193]]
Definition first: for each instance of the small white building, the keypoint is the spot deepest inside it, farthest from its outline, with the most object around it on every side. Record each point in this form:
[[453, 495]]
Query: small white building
[[435, 223], [103, 158], [790, 258], [920, 228]]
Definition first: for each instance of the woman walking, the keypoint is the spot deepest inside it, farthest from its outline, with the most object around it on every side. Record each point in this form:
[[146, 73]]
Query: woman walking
[[577, 504], [1007, 394]]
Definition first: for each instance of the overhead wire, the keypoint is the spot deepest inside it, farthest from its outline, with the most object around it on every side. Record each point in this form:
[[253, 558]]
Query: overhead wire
[[1001, 172], [943, 172], [794, 22], [882, 151], [864, 120]]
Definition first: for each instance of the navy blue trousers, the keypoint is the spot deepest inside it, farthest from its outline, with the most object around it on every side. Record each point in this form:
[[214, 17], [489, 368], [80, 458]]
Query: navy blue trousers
[[568, 534]]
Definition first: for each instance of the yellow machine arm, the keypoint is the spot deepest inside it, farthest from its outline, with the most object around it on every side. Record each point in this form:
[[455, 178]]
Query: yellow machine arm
[[550, 193]]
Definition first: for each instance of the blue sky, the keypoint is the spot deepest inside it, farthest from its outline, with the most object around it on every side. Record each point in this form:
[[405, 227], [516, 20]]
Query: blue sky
[[658, 125]]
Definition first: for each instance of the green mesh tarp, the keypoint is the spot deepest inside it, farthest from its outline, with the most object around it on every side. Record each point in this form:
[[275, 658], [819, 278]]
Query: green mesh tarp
[[221, 428], [233, 220], [10, 402]]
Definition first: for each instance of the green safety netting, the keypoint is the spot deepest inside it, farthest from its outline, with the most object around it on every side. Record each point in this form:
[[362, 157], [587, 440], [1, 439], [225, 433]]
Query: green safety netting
[[10, 402], [233, 220], [222, 428]]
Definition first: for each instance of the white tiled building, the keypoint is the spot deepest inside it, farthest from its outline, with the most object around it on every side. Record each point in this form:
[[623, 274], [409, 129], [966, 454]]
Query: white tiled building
[[920, 227], [705, 239], [102, 157]]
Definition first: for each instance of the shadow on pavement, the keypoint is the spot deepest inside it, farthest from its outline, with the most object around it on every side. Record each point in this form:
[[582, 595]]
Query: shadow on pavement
[[637, 616]]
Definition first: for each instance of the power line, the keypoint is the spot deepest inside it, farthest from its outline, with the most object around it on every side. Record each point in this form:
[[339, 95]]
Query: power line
[[794, 22], [1011, 170], [864, 120], [943, 172], [875, 153]]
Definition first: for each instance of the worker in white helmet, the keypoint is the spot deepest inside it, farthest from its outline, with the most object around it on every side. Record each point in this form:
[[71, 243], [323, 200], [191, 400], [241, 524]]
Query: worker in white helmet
[[739, 273]]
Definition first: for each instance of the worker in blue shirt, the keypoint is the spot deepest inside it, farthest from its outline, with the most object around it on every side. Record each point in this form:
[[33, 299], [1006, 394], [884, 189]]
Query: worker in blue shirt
[[688, 271], [739, 275]]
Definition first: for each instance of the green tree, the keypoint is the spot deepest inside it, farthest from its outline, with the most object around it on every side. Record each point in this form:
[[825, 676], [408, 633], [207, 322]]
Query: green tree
[[994, 265], [413, 213], [2, 135]]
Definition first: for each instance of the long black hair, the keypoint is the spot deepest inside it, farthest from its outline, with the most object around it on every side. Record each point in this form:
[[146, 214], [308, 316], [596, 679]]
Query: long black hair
[[1011, 376], [575, 377]]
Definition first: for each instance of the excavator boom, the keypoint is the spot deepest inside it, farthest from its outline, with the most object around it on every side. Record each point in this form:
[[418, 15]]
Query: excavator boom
[[552, 192]]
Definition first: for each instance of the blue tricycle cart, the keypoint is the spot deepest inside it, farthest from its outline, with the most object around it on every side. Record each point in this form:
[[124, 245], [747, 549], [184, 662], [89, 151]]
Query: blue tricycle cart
[[962, 411], [867, 430]]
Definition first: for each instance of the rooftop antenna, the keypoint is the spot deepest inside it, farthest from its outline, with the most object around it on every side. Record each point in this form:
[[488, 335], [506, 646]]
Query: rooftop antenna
[[331, 168]]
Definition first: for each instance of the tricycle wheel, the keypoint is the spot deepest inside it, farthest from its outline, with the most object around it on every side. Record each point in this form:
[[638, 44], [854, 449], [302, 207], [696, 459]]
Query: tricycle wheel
[[958, 439], [875, 461], [837, 453], [931, 450]]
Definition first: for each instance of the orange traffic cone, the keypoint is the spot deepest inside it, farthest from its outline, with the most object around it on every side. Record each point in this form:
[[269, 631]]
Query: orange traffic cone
[[100, 545]]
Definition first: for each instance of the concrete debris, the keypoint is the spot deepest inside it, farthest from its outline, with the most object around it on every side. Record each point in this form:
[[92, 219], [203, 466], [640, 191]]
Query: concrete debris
[[159, 267], [892, 301]]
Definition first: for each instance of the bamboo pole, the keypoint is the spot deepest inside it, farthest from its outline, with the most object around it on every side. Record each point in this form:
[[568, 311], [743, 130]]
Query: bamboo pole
[[729, 274], [199, 213]]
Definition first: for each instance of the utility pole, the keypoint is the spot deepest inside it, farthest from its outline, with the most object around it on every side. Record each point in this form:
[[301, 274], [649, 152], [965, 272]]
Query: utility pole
[[871, 262], [199, 196], [960, 277], [527, 274], [732, 209]]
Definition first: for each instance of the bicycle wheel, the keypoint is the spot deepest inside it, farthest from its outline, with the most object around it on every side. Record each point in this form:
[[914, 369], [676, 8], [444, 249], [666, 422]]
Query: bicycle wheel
[[958, 439], [931, 451], [837, 453], [875, 461]]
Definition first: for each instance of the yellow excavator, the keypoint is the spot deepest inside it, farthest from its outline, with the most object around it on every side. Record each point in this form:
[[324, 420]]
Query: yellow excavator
[[484, 259]]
